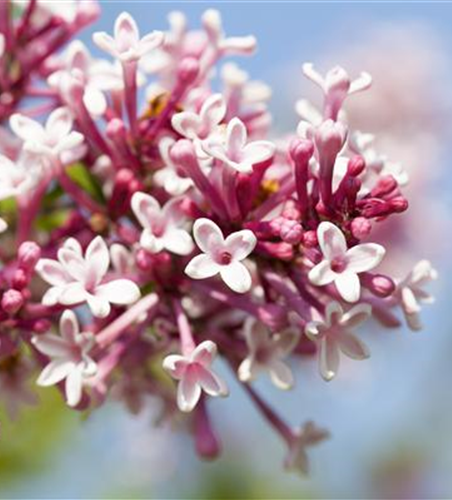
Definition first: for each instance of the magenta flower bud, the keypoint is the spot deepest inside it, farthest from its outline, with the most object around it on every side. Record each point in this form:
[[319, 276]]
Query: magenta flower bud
[[88, 12], [360, 227], [12, 301], [379, 284], [398, 204], [329, 138], [144, 260], [20, 279], [355, 166], [301, 150], [310, 239], [207, 443], [291, 232], [385, 186], [29, 253], [116, 128], [273, 315], [337, 80], [41, 325], [183, 152], [188, 70]]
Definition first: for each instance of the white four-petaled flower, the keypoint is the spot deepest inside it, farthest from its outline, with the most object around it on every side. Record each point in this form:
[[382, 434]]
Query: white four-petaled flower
[[163, 227], [411, 294], [194, 374], [341, 265], [266, 354], [52, 140], [333, 335], [234, 151], [126, 45], [69, 357], [222, 256], [78, 278]]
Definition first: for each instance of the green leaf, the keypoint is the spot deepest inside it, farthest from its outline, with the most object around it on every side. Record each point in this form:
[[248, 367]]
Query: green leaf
[[8, 206], [52, 220], [86, 180]]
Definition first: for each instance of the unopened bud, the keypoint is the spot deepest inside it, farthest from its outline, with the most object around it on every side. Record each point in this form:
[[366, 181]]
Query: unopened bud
[[12, 301], [29, 253], [360, 227]]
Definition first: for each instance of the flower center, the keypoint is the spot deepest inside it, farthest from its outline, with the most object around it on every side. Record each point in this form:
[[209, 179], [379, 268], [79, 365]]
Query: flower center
[[338, 264], [225, 258]]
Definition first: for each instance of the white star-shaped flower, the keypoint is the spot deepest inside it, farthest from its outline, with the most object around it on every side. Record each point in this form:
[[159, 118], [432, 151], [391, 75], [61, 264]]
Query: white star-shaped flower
[[333, 335], [195, 375], [69, 357], [342, 265], [222, 256]]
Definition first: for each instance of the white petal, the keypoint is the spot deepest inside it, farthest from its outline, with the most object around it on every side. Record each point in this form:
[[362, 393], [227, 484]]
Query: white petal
[[121, 259], [54, 372], [179, 242], [150, 41], [59, 124], [331, 240], [94, 100], [3, 225], [105, 42], [348, 286], [51, 345], [204, 353], [240, 244], [97, 258], [333, 313], [73, 263], [356, 315], [98, 305], [145, 207], [257, 152], [213, 111], [73, 293], [322, 274], [235, 138], [52, 272], [52, 296], [73, 387], [120, 291], [69, 328], [150, 242], [186, 124], [364, 257], [352, 346], [329, 358], [175, 365], [281, 375], [208, 235], [201, 267], [237, 277], [26, 128], [211, 383], [69, 142], [188, 392], [247, 370]]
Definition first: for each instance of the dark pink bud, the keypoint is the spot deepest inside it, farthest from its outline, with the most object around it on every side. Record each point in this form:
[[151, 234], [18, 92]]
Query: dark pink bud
[[41, 325], [182, 152], [207, 443], [88, 12], [116, 128], [360, 227], [398, 204], [144, 260], [20, 279], [29, 253], [291, 232], [301, 150], [12, 301], [310, 239], [385, 185], [188, 70], [379, 284], [355, 166]]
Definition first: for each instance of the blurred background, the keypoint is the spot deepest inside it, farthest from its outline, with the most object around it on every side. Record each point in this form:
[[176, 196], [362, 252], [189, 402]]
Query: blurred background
[[390, 417]]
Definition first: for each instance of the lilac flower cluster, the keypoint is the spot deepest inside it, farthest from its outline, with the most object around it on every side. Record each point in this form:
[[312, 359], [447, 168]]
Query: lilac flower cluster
[[144, 237]]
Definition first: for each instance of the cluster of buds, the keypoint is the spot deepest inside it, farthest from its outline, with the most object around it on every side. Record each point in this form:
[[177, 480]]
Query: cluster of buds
[[141, 240]]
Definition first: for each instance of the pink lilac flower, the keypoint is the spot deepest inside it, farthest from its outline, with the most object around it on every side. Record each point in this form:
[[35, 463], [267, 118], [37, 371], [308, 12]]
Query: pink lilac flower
[[411, 293], [163, 227], [341, 265], [69, 357], [195, 375], [267, 353], [333, 335], [222, 255], [78, 278], [126, 45]]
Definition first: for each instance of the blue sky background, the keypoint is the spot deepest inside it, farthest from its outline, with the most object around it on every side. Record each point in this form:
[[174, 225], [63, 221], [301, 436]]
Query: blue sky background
[[399, 404]]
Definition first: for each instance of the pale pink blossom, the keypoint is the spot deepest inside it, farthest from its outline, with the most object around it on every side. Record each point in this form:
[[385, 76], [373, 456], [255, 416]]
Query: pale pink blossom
[[234, 150], [163, 227], [69, 357], [17, 178], [222, 256], [126, 45], [333, 335], [411, 294], [304, 437], [54, 139], [195, 375], [78, 278], [342, 265], [267, 352]]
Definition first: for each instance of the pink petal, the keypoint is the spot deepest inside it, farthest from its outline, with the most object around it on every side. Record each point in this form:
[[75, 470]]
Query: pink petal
[[150, 41], [188, 391], [352, 346], [97, 259], [281, 375], [178, 242], [348, 286], [322, 274], [331, 240], [105, 42], [52, 272], [73, 293], [240, 244], [70, 142], [69, 328], [94, 100], [333, 313], [247, 370], [59, 124], [150, 242], [126, 32], [73, 387], [52, 296], [208, 235], [202, 267], [204, 353], [211, 383], [145, 207], [121, 259], [235, 139], [257, 336], [237, 277], [98, 305], [329, 358], [52, 346], [175, 365], [364, 257], [356, 315], [54, 372], [73, 263], [213, 111], [285, 342], [257, 152], [187, 124], [122, 291]]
